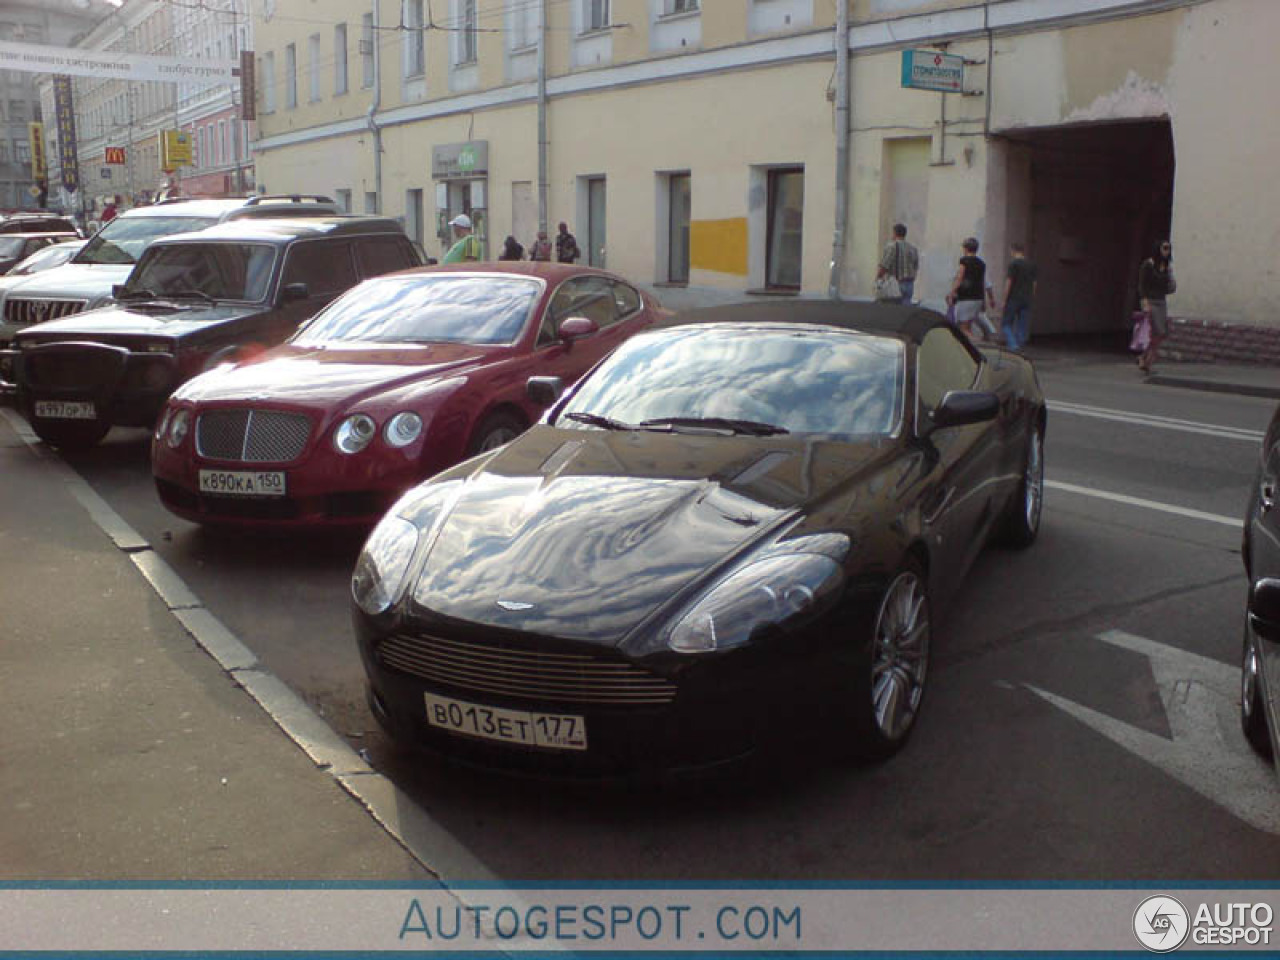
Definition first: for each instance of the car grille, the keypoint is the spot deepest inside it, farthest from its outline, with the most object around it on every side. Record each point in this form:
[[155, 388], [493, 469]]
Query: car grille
[[86, 368], [22, 312], [252, 436], [526, 674]]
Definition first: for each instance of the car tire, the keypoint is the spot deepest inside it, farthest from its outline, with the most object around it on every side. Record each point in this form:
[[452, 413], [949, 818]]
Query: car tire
[[1022, 522], [891, 673], [494, 431], [79, 435], [1253, 714]]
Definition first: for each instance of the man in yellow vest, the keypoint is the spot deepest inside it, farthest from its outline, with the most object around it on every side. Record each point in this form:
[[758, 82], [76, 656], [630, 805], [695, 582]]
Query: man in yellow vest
[[466, 246]]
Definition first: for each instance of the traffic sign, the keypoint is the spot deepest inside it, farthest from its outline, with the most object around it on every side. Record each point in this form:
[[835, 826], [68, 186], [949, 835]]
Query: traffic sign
[[931, 70]]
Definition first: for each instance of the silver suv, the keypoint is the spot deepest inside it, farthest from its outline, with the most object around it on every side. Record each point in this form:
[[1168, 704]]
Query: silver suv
[[107, 259]]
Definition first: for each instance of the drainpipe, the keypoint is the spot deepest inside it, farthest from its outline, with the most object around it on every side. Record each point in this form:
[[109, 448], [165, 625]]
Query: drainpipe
[[842, 149], [372, 116], [542, 115]]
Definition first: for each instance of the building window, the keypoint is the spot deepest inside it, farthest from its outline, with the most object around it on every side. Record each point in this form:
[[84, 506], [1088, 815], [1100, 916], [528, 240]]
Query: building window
[[17, 111], [785, 229], [595, 15], [290, 77], [523, 20], [467, 35], [370, 201], [224, 130], [680, 211], [4, 151], [344, 199], [313, 66], [22, 151], [672, 7], [413, 214], [366, 50], [415, 51], [340, 59]]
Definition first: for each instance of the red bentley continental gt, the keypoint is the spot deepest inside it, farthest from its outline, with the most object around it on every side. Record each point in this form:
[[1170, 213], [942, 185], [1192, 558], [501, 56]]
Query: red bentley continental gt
[[401, 377]]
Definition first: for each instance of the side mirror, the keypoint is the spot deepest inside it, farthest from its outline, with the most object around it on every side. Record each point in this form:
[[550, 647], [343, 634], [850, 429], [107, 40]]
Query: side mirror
[[544, 391], [961, 407], [294, 291], [118, 290], [575, 328], [1264, 609]]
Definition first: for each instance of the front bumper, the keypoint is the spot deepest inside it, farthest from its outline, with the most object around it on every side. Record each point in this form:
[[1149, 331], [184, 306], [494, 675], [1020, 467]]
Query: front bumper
[[127, 389]]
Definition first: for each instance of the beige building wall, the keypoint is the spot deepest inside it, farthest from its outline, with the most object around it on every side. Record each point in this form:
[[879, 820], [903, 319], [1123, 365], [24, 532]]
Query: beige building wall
[[952, 166]]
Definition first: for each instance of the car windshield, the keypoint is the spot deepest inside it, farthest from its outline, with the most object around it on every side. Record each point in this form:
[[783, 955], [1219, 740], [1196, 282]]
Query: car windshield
[[124, 238], [802, 380], [46, 259], [220, 271], [427, 308], [11, 246]]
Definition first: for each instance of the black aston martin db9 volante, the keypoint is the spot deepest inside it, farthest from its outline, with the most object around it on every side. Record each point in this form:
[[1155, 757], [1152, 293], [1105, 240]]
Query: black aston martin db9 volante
[[732, 533]]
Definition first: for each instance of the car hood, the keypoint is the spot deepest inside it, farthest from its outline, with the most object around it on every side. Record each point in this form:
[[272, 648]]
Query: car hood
[[124, 321], [73, 281], [326, 376], [596, 530]]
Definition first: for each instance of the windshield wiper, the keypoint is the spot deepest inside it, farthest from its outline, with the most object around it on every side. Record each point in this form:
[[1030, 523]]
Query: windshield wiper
[[192, 292], [138, 293], [595, 420], [749, 427]]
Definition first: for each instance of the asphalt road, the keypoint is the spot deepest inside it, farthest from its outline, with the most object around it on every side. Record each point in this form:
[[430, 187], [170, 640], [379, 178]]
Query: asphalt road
[[1081, 722]]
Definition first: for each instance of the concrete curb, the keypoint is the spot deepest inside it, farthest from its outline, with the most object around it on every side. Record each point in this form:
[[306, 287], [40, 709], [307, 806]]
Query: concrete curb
[[1215, 386]]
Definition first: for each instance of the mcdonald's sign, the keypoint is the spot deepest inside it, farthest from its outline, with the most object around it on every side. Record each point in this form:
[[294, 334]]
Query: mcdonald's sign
[[114, 155]]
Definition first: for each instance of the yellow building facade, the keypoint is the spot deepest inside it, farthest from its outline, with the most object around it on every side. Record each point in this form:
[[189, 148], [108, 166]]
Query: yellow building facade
[[695, 144]]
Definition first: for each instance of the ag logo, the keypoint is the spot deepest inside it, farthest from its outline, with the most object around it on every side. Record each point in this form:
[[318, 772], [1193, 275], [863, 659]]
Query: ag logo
[[1161, 924]]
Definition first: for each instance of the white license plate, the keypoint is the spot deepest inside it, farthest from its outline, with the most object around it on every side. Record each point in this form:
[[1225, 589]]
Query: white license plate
[[65, 410], [242, 483], [552, 731]]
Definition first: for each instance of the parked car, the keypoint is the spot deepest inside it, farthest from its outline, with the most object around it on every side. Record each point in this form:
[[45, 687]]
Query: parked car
[[731, 533], [35, 222], [46, 258], [16, 247], [192, 302], [106, 260], [1260, 674], [402, 377]]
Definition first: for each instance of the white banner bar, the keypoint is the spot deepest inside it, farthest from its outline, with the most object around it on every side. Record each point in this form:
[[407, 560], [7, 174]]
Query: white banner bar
[[36, 58], [732, 920]]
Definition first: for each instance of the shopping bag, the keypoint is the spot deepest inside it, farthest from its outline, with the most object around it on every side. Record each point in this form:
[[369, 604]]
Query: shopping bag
[[887, 289], [1141, 339]]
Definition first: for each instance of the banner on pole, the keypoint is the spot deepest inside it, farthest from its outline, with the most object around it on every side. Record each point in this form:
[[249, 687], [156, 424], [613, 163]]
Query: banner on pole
[[70, 61], [65, 118]]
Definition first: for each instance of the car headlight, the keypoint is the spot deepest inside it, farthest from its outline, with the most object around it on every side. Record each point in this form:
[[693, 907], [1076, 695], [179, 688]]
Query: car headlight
[[762, 594], [354, 433], [383, 564], [163, 425], [178, 427], [402, 429]]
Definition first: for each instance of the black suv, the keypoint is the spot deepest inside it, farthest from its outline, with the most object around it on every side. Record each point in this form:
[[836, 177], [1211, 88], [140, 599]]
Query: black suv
[[193, 301]]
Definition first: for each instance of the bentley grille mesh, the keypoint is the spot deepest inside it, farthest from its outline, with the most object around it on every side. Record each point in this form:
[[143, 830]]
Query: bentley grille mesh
[[22, 312], [252, 436], [526, 674]]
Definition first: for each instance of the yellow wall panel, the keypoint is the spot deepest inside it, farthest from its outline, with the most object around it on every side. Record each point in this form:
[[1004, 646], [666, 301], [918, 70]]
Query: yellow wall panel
[[719, 245]]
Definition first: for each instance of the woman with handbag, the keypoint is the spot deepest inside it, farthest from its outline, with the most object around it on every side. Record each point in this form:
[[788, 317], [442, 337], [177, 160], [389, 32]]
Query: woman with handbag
[[1155, 283]]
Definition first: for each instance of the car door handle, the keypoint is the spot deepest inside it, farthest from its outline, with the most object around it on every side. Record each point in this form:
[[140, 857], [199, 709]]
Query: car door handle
[[1267, 495], [937, 503]]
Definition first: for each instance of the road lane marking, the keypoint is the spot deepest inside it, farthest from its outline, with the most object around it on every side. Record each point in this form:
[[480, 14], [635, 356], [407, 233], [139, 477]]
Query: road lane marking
[[1163, 423], [1236, 522], [1207, 752]]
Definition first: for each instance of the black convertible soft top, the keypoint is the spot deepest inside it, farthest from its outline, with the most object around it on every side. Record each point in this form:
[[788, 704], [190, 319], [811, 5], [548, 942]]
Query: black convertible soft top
[[912, 322]]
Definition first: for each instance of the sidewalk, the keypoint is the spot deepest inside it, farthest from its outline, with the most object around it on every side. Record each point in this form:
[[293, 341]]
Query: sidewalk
[[129, 753]]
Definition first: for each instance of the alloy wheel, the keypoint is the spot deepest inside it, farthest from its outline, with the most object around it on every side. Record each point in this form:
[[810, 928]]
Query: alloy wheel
[[497, 437], [1033, 481], [900, 656]]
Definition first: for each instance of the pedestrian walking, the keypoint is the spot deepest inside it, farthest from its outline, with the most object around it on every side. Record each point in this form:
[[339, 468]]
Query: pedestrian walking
[[466, 245], [1019, 293], [112, 208], [969, 287], [566, 245], [512, 249], [1155, 283], [540, 249], [901, 261]]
